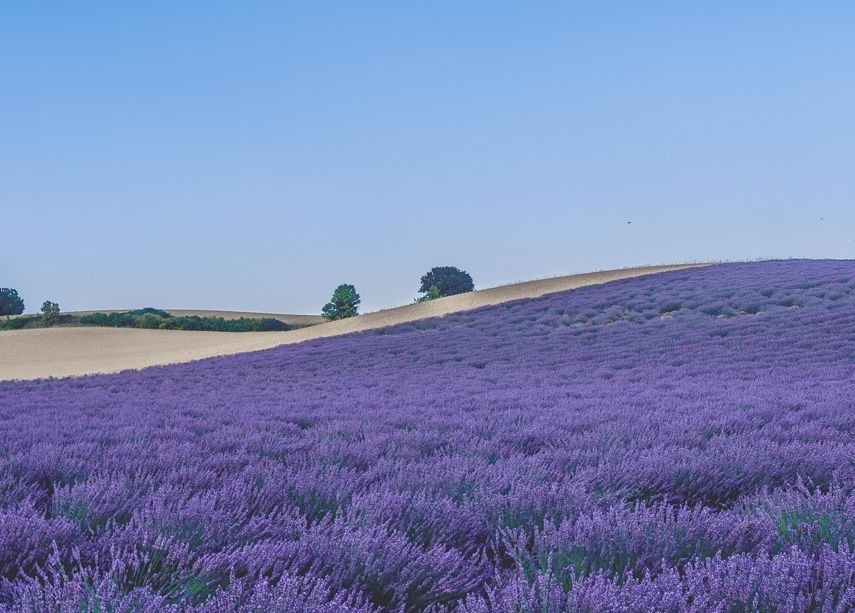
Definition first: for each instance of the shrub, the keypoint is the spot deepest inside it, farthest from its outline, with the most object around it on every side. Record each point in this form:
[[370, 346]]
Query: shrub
[[242, 324], [432, 293], [10, 302], [112, 320], [344, 303], [148, 320], [50, 313], [187, 322], [449, 280], [18, 322], [268, 324]]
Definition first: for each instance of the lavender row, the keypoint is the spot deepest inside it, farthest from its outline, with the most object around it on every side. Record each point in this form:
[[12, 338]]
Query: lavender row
[[676, 441]]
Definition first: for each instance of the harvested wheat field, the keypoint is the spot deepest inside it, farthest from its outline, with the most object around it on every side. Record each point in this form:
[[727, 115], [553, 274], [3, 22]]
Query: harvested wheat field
[[63, 352]]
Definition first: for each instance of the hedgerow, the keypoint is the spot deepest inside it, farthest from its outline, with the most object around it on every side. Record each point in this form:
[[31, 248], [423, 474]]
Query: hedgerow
[[161, 320]]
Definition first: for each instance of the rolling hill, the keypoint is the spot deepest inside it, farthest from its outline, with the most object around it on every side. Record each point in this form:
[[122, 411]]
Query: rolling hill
[[61, 352], [672, 442]]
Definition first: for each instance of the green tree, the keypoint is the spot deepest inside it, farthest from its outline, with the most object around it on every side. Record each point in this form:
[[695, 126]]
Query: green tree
[[50, 312], [344, 303], [10, 302], [449, 280], [432, 293]]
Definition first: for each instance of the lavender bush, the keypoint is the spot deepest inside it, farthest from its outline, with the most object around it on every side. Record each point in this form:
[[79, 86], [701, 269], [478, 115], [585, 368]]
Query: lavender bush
[[677, 442]]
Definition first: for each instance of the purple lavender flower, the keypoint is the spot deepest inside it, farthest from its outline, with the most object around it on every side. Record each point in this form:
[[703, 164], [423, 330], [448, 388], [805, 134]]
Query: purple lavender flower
[[682, 441]]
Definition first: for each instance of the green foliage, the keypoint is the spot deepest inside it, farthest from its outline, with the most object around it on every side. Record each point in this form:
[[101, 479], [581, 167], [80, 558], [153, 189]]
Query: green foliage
[[805, 527], [268, 324], [344, 303], [111, 320], [149, 321], [18, 323], [155, 319], [50, 313], [449, 280], [190, 322], [36, 321], [148, 318], [10, 302], [151, 311], [432, 293]]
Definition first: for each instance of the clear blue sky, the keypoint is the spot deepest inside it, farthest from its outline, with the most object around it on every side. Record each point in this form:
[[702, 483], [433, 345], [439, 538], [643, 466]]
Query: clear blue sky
[[254, 155]]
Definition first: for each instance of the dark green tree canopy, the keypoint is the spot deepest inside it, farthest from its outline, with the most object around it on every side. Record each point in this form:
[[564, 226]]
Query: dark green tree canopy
[[344, 303], [10, 302], [448, 280]]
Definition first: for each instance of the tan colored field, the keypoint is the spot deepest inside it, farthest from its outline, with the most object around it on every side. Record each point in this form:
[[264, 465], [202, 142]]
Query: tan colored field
[[61, 352]]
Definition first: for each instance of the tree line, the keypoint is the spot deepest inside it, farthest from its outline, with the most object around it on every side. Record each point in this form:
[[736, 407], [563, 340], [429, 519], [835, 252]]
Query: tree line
[[11, 303], [438, 282]]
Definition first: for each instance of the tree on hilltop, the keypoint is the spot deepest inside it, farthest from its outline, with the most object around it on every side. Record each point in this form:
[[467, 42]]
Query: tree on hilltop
[[344, 303], [445, 281]]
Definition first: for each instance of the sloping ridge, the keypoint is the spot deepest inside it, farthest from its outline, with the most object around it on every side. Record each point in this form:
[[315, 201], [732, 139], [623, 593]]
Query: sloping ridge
[[62, 352], [472, 300]]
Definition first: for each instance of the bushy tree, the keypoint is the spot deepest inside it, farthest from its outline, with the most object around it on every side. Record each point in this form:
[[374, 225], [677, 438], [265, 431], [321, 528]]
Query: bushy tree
[[344, 303], [448, 280], [10, 302], [50, 312]]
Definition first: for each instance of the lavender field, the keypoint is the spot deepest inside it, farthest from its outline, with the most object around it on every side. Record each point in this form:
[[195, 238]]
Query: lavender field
[[682, 441]]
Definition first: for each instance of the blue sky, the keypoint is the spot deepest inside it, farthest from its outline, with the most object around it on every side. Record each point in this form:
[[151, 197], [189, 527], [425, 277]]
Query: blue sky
[[254, 155]]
